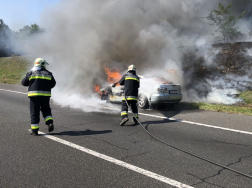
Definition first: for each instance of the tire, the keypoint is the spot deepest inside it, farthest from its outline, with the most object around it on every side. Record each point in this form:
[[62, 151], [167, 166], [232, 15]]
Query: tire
[[143, 102]]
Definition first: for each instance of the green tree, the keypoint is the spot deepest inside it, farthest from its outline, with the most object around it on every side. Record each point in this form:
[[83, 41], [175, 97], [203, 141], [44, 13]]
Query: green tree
[[5, 39], [226, 23], [27, 31]]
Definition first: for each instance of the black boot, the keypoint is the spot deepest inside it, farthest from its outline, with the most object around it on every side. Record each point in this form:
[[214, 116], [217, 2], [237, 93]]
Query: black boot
[[50, 127], [135, 121], [124, 121], [33, 132]]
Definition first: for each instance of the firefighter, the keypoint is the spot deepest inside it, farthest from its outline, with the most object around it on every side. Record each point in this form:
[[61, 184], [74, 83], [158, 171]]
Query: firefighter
[[131, 84], [40, 82]]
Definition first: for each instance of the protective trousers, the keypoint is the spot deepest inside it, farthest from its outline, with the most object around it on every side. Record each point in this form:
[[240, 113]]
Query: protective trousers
[[124, 111], [37, 104]]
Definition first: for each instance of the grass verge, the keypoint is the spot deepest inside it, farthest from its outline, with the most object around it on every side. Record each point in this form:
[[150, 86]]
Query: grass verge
[[13, 69], [245, 109]]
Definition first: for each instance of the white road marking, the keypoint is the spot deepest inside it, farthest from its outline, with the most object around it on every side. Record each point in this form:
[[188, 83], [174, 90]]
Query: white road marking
[[190, 122], [113, 160], [163, 117], [118, 162], [14, 91]]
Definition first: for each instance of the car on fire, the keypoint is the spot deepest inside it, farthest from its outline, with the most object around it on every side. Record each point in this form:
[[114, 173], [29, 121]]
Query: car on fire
[[153, 92]]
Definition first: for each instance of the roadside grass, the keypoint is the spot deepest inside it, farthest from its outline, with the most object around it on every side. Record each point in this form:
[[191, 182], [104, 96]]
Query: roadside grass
[[13, 69], [244, 108], [247, 97]]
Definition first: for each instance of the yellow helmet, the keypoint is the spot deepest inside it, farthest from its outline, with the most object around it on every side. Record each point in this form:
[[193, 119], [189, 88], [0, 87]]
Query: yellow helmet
[[132, 68], [39, 62]]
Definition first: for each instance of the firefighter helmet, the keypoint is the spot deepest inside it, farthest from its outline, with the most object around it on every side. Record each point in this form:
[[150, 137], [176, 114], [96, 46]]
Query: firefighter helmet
[[39, 62], [132, 68]]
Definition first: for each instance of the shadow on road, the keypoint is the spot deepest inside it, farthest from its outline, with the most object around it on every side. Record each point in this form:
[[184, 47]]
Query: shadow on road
[[81, 133], [158, 122], [170, 111]]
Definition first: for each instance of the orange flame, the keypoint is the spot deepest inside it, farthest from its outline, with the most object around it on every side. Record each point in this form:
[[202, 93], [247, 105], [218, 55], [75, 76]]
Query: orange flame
[[113, 75], [172, 71], [97, 89]]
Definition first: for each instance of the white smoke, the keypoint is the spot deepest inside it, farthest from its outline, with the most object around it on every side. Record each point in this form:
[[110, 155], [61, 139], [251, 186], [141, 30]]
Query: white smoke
[[82, 36], [249, 52]]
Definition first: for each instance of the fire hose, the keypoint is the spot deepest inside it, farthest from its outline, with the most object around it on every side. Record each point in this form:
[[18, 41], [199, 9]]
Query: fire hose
[[187, 152]]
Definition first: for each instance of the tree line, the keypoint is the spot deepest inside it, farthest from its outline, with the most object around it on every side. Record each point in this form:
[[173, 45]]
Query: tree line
[[9, 38], [226, 24], [222, 19]]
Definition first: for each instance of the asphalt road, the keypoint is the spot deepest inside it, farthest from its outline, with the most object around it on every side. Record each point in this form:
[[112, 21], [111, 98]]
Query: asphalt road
[[92, 150]]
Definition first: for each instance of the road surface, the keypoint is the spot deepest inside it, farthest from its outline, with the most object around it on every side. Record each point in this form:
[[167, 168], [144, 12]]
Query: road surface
[[90, 149]]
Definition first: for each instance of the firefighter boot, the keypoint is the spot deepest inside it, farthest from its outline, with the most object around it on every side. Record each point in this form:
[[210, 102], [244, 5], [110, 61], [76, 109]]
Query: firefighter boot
[[134, 120], [50, 127], [124, 121], [33, 132]]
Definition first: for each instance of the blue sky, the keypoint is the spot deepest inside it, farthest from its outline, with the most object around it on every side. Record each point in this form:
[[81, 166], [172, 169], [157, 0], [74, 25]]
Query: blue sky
[[18, 13]]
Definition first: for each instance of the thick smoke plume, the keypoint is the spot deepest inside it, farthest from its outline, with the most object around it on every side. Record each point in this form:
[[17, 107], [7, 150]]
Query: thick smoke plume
[[83, 36]]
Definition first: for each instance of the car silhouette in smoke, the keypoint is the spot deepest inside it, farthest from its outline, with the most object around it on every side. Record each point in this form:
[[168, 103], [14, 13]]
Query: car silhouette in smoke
[[153, 93]]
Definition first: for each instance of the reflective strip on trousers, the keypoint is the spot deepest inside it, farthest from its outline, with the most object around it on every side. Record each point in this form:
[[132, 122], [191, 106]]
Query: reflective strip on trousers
[[124, 113], [48, 118], [130, 98], [136, 114], [34, 126]]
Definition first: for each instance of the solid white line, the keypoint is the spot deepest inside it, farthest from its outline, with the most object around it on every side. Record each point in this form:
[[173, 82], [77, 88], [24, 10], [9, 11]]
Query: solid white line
[[163, 117], [13, 91], [190, 122], [118, 162]]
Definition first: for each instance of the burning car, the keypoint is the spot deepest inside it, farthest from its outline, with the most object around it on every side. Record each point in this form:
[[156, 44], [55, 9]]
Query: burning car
[[152, 93]]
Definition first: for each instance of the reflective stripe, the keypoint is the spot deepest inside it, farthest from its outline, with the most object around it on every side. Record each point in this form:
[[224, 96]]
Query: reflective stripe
[[46, 92], [131, 78], [136, 115], [124, 113], [34, 126], [48, 118], [39, 94], [130, 98], [40, 77]]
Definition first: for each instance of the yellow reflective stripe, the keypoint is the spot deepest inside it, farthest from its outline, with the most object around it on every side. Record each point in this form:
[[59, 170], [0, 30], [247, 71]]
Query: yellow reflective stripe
[[131, 78], [39, 94], [34, 127], [122, 114], [130, 99], [40, 77], [48, 119]]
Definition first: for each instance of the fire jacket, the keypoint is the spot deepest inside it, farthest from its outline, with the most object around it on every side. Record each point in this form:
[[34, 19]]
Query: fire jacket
[[40, 83], [131, 84]]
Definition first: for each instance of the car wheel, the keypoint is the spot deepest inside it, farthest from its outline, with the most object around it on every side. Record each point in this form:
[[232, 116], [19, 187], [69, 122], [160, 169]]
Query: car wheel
[[143, 102]]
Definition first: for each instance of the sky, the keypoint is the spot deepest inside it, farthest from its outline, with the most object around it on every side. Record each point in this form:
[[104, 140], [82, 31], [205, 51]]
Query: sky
[[18, 13]]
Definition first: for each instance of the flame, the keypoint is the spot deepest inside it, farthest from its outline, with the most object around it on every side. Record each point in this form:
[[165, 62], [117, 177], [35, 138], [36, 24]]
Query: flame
[[113, 75], [97, 88], [172, 71]]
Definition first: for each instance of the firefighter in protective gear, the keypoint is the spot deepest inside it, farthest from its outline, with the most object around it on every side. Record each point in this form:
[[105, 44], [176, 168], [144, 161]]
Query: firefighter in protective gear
[[40, 82], [131, 84]]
